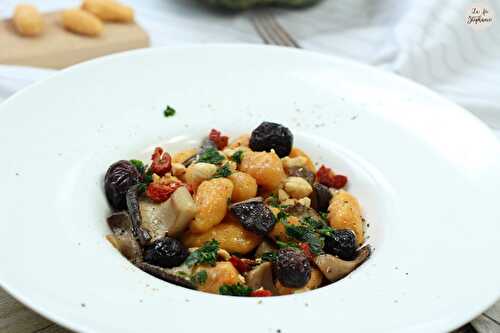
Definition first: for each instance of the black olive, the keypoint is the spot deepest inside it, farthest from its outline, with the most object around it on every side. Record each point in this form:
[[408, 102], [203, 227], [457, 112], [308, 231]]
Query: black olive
[[166, 252], [302, 173], [269, 136], [254, 216], [120, 176], [292, 268], [320, 197], [342, 243]]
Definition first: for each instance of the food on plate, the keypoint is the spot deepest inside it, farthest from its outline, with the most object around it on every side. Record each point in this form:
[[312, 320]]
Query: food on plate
[[245, 4], [250, 217], [82, 22], [28, 21], [109, 10]]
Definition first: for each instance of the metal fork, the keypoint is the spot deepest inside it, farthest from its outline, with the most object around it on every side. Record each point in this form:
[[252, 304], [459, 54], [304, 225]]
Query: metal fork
[[271, 31]]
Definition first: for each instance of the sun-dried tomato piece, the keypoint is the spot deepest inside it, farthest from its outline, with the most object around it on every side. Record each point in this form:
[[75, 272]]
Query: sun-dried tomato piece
[[162, 162], [307, 250], [219, 140], [240, 265], [261, 293], [339, 181], [161, 192], [325, 176]]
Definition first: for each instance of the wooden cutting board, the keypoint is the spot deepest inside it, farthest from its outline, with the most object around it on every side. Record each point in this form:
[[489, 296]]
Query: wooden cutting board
[[58, 48]]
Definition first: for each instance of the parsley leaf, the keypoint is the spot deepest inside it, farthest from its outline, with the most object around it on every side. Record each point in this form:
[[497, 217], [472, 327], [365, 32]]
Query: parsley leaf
[[207, 254], [282, 217], [211, 155], [199, 278], [237, 156], [138, 165], [269, 256], [273, 200], [284, 245], [324, 216], [169, 111], [223, 171], [235, 290]]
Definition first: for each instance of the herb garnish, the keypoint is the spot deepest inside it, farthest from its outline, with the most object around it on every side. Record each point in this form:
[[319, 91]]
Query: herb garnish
[[235, 290], [284, 245], [169, 111], [199, 278], [282, 216], [269, 256], [139, 165], [237, 156], [223, 171], [211, 155], [207, 254], [273, 200]]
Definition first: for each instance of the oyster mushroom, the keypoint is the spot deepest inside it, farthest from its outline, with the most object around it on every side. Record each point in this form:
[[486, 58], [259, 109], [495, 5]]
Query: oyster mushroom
[[168, 275], [170, 217], [300, 211], [122, 237], [261, 276], [132, 199], [334, 268]]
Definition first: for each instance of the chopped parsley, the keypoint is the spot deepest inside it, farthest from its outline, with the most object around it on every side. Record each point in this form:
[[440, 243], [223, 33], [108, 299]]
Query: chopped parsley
[[284, 245], [235, 290], [169, 111], [223, 171], [207, 254], [147, 178], [211, 155], [138, 165], [324, 216], [273, 200], [237, 156], [282, 216], [269, 256], [199, 278]]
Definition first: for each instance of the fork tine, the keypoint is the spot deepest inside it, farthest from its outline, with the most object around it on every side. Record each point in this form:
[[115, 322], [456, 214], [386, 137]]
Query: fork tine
[[265, 31], [271, 31], [290, 41]]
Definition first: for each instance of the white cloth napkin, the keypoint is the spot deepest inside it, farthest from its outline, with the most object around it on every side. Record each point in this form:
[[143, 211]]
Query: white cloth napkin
[[426, 41]]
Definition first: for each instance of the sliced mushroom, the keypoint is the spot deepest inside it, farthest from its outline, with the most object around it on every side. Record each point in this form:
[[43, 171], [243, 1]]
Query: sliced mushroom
[[300, 211], [167, 275], [122, 237], [170, 217], [334, 268], [265, 247], [132, 199], [302, 172], [261, 276]]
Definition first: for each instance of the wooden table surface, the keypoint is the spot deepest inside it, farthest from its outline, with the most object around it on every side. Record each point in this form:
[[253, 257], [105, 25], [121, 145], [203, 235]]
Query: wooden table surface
[[16, 318]]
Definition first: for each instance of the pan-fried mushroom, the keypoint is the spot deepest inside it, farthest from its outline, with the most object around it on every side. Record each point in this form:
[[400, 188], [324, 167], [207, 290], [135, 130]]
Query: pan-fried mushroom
[[167, 275], [334, 268], [261, 276], [132, 199], [265, 247], [170, 217], [300, 211], [122, 237]]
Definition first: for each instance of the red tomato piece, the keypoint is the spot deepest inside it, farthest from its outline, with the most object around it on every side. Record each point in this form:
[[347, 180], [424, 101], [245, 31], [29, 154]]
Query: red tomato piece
[[307, 250], [160, 192], [239, 264], [219, 140], [339, 181], [162, 162], [325, 176], [261, 293]]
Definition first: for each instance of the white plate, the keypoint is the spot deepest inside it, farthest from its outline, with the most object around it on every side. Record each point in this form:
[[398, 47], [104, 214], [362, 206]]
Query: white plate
[[426, 172]]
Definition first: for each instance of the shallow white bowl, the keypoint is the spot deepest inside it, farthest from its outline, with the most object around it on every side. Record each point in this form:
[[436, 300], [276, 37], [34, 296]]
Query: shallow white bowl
[[426, 172]]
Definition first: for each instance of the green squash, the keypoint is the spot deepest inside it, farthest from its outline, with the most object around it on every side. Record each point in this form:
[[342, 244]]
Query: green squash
[[245, 4]]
